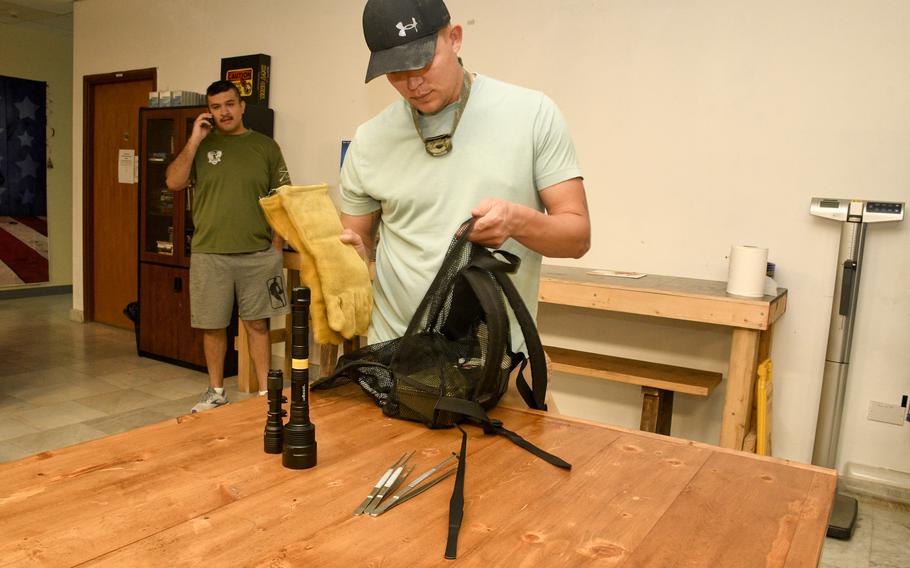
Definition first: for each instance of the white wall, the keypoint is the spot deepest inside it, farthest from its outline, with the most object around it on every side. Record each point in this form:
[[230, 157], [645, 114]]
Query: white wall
[[42, 56], [699, 124]]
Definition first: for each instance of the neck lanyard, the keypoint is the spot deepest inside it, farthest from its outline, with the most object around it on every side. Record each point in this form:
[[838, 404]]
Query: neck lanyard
[[441, 145]]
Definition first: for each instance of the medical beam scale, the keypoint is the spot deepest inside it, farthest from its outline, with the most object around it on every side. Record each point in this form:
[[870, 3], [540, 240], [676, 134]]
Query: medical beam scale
[[855, 215]]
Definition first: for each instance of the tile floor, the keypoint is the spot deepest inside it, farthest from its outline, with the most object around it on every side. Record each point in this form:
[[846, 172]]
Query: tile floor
[[881, 538], [62, 383]]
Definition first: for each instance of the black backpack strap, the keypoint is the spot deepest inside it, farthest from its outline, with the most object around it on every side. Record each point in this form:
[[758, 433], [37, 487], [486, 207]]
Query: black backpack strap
[[497, 321], [344, 374], [522, 385], [456, 503], [534, 396], [475, 411], [486, 260]]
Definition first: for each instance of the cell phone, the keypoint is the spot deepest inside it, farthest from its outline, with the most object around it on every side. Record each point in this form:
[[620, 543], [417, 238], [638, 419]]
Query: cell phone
[[210, 122]]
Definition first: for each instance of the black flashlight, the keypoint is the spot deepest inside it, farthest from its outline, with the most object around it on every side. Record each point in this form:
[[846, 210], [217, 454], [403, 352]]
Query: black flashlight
[[299, 432], [274, 424]]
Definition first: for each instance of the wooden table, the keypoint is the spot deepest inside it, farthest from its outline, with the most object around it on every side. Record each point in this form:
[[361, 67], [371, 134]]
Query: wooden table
[[199, 490], [706, 301]]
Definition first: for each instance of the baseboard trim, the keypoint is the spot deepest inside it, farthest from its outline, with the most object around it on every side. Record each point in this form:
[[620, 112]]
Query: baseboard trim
[[32, 291], [887, 484]]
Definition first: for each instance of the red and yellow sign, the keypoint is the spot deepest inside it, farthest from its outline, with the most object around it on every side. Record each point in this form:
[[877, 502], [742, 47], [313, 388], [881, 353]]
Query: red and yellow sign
[[243, 78]]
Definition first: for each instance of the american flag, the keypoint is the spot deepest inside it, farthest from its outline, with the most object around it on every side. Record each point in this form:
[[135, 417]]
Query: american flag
[[23, 181]]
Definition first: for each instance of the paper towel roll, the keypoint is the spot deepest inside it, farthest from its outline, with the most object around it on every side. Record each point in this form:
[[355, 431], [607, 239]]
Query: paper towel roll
[[748, 265]]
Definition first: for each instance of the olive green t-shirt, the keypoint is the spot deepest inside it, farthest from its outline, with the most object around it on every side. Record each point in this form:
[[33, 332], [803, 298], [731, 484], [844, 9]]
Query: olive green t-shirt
[[232, 173]]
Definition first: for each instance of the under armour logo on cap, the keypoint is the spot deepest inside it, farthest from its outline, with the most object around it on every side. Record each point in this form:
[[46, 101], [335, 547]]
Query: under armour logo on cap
[[403, 29]]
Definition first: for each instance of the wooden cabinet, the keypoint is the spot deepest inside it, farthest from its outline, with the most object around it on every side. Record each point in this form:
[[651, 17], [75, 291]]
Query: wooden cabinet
[[165, 232], [165, 217], [164, 303]]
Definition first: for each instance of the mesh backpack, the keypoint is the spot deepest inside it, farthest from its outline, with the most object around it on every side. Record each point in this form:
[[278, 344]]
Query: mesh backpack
[[454, 361]]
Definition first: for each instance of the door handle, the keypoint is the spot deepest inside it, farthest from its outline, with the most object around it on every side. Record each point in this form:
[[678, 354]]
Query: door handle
[[178, 284]]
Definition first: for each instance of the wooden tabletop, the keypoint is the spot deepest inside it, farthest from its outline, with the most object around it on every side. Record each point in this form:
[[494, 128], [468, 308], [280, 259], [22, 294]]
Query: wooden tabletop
[[200, 489], [690, 299]]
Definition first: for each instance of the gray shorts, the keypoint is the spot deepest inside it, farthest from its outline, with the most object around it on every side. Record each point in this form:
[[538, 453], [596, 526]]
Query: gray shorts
[[256, 278]]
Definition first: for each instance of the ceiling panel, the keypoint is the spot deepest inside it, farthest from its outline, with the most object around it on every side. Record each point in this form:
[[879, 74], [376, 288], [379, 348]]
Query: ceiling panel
[[54, 16]]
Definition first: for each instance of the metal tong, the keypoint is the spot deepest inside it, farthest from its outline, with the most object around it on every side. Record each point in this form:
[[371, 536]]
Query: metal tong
[[393, 478], [385, 483]]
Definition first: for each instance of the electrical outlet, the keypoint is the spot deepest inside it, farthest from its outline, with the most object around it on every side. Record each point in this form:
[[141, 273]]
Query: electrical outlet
[[887, 413]]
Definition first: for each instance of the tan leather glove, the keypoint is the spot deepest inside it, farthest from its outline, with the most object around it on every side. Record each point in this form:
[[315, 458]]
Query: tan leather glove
[[344, 276], [281, 224]]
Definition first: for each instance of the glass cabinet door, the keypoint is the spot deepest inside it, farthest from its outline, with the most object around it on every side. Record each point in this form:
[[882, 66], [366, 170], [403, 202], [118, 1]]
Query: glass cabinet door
[[159, 200], [188, 226]]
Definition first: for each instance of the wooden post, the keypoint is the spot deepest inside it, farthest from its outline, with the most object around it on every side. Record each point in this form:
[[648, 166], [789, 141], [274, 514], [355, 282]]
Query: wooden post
[[764, 344], [656, 410], [328, 355], [246, 372], [740, 385]]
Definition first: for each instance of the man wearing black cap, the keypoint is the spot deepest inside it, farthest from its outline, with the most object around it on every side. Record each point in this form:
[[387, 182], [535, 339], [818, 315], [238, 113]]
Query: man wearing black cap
[[456, 145]]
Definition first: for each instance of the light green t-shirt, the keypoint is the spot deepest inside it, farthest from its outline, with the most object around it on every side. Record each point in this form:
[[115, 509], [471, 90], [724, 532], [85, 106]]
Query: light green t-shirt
[[232, 173], [510, 144]]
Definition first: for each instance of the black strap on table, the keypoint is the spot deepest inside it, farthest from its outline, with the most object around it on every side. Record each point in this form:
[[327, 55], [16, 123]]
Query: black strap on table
[[456, 503], [476, 412]]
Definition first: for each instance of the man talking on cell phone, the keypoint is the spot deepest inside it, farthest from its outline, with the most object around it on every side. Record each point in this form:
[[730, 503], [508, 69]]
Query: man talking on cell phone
[[233, 248]]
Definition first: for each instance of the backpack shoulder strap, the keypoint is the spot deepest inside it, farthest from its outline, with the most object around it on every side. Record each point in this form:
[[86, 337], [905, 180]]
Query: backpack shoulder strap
[[534, 396], [484, 288]]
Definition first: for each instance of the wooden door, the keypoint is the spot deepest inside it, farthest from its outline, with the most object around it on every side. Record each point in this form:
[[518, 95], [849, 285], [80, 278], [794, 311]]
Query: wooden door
[[114, 215]]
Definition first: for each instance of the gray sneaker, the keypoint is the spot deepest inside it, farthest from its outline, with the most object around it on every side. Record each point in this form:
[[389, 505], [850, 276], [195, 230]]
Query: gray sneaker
[[210, 399]]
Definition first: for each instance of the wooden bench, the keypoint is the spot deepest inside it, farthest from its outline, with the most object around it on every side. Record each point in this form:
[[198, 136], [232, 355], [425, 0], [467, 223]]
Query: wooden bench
[[658, 382], [750, 321]]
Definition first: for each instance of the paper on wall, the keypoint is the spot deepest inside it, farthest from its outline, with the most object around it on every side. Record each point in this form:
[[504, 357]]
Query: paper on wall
[[126, 170]]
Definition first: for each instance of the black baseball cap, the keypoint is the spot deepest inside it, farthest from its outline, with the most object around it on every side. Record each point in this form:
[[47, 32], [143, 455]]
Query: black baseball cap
[[401, 34]]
